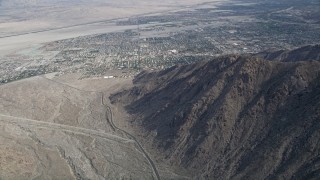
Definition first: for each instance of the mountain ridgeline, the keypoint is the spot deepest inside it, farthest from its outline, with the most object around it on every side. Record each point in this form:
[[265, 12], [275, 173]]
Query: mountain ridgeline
[[306, 53], [234, 117]]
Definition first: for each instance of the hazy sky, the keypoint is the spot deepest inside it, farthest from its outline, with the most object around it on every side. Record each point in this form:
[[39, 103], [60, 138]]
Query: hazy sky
[[11, 3]]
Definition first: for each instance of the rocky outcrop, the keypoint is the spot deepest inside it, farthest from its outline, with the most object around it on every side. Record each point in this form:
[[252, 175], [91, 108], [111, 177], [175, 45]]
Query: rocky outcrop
[[235, 117]]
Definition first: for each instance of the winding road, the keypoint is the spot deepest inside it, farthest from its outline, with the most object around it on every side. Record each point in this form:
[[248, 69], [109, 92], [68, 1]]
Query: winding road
[[155, 171], [116, 128]]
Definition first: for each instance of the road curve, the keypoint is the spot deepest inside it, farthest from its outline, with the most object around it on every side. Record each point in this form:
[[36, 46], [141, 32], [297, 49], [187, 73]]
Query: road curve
[[110, 120], [155, 171]]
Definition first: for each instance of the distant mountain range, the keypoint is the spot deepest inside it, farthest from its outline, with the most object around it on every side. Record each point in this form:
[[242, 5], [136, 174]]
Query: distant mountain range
[[234, 117]]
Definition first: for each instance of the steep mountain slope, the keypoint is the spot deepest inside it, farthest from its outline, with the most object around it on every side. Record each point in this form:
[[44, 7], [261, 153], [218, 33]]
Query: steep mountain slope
[[306, 53], [235, 117]]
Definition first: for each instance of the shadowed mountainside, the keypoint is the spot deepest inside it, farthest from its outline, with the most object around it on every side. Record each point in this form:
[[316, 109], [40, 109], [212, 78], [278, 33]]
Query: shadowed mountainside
[[235, 117]]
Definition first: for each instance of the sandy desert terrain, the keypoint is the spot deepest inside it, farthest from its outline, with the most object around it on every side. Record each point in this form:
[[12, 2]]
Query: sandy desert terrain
[[58, 129], [76, 18], [60, 125]]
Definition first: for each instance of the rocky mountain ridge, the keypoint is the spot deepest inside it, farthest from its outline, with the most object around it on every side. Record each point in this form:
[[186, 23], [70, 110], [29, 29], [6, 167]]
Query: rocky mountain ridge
[[306, 53], [235, 117]]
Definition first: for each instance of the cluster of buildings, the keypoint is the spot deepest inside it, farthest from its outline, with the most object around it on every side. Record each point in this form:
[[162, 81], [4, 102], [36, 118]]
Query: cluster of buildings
[[161, 41]]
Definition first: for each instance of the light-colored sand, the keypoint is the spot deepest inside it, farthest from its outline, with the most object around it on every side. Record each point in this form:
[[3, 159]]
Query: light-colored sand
[[55, 129], [35, 18]]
